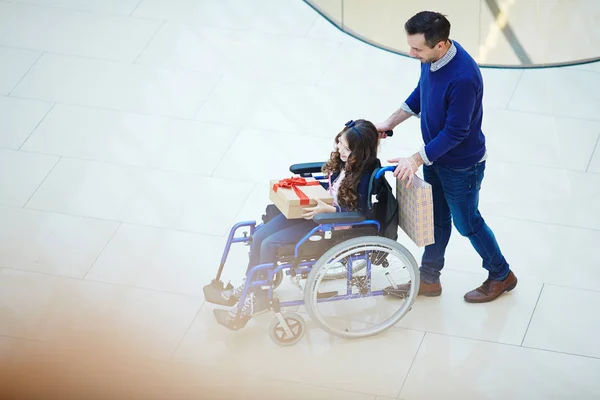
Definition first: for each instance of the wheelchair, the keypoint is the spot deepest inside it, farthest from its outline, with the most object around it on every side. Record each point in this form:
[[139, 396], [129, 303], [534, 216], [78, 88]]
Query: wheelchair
[[341, 273]]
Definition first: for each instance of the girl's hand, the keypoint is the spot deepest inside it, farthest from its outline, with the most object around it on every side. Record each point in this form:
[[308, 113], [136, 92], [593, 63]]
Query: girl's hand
[[321, 207]]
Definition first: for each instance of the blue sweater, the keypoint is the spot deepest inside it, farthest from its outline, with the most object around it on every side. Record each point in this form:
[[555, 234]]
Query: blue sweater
[[449, 101]]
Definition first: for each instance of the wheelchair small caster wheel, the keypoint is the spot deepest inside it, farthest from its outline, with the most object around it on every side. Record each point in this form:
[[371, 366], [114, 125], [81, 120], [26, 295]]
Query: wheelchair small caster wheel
[[294, 332]]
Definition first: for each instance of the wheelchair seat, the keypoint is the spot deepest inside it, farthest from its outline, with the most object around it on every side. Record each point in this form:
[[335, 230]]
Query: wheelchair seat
[[313, 249]]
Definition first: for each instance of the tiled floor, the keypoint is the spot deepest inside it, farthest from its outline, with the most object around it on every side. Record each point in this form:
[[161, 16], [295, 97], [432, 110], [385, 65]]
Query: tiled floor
[[133, 134]]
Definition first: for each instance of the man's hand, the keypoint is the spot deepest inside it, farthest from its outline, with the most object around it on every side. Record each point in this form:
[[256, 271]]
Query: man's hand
[[383, 127], [407, 167], [321, 207]]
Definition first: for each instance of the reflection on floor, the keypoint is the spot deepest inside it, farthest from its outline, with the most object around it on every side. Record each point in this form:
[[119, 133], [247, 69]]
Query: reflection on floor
[[132, 136]]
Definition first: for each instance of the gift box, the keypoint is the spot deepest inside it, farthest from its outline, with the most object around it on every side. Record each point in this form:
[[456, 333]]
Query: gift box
[[292, 195], [415, 214]]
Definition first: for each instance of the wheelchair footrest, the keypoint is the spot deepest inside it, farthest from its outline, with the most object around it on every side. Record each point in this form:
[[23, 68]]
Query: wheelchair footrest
[[234, 324], [213, 291]]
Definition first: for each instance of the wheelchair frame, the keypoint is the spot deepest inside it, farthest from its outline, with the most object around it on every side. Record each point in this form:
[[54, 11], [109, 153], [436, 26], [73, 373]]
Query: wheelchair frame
[[298, 266]]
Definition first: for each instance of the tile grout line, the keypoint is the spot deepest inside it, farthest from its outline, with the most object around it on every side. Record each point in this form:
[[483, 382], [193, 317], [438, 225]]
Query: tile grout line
[[312, 385], [542, 114], [132, 166], [149, 41], [135, 9], [114, 220], [102, 251], [593, 153], [26, 73], [512, 95], [218, 163], [137, 113], [587, 228], [121, 285], [411, 365], [203, 103], [532, 314], [187, 330], [488, 341], [41, 183], [26, 339], [37, 126], [68, 9], [239, 128], [561, 352], [571, 287], [318, 82]]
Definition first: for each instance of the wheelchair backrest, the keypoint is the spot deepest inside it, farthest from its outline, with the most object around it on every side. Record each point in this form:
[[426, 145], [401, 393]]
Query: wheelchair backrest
[[383, 206]]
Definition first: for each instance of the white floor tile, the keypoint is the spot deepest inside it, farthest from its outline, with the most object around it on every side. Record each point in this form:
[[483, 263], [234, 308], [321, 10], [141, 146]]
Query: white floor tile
[[551, 254], [159, 259], [594, 67], [18, 118], [240, 101], [314, 111], [541, 194], [45, 308], [594, 165], [358, 64], [318, 359], [120, 7], [499, 86], [323, 29], [560, 92], [565, 143], [20, 175], [15, 64], [469, 369], [269, 155], [72, 32], [132, 139], [51, 243], [136, 195], [566, 320], [270, 16], [121, 87], [504, 320], [242, 53]]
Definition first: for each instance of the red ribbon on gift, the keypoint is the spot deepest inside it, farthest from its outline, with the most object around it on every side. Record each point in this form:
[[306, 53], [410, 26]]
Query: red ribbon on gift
[[294, 183]]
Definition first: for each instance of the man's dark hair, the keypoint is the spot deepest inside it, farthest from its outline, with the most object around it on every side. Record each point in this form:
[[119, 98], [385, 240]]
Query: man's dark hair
[[433, 25]]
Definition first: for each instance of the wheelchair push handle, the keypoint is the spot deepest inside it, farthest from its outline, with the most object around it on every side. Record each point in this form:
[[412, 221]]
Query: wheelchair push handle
[[383, 170], [389, 133]]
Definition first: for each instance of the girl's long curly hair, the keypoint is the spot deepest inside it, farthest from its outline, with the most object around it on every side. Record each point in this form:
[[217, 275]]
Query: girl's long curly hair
[[362, 159]]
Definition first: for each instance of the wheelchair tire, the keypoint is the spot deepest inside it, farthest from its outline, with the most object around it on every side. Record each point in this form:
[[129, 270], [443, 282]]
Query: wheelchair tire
[[318, 274]]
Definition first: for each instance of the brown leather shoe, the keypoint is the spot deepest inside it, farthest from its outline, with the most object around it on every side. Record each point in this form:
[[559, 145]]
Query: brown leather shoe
[[490, 290], [425, 289]]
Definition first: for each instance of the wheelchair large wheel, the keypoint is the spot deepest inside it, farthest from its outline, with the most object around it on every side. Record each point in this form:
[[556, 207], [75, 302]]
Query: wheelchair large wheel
[[340, 271], [355, 307]]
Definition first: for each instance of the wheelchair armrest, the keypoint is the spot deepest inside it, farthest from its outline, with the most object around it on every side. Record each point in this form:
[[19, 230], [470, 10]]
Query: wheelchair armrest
[[306, 168], [339, 218]]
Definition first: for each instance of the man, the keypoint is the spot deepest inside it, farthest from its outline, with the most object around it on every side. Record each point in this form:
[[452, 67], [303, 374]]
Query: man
[[448, 100]]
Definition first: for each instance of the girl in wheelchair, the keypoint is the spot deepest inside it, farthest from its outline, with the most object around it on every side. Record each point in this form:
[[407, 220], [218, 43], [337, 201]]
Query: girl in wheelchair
[[349, 169]]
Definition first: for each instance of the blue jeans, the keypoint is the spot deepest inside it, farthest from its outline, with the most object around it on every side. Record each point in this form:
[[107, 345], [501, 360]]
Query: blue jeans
[[456, 197], [269, 237]]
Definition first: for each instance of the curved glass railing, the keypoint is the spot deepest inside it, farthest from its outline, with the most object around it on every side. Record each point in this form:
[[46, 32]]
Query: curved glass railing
[[497, 33]]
